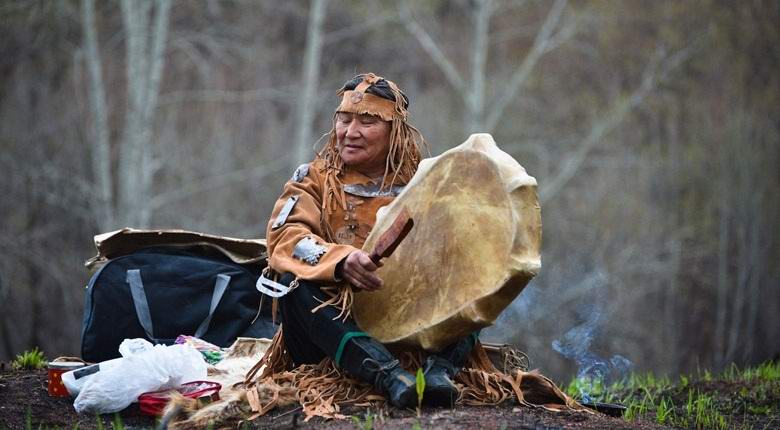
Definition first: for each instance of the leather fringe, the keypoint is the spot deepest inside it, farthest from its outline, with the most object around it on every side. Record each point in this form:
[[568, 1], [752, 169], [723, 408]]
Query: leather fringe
[[322, 389], [340, 297]]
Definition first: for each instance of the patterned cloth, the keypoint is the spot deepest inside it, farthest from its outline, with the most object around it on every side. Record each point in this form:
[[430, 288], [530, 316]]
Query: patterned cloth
[[211, 353]]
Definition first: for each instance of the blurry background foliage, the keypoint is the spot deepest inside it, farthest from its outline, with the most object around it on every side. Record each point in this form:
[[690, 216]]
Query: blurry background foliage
[[652, 128]]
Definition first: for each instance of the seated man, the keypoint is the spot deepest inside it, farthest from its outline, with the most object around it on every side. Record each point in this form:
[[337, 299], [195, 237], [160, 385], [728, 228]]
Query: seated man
[[318, 226]]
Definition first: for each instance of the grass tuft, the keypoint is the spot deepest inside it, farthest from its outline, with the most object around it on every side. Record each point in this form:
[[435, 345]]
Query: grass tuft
[[117, 423], [29, 360], [664, 414], [420, 387], [366, 424], [697, 402]]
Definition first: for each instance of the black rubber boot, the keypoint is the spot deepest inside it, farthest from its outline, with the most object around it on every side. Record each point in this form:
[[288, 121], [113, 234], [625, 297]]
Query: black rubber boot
[[441, 368], [369, 361], [439, 388]]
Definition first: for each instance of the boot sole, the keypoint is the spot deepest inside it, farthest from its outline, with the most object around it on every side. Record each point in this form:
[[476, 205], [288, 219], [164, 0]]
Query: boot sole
[[408, 401], [440, 397]]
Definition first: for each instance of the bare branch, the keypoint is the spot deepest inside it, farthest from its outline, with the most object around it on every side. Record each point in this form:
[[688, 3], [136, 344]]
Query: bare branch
[[656, 70], [430, 46], [361, 27], [564, 34], [207, 47], [279, 94], [218, 181], [538, 49]]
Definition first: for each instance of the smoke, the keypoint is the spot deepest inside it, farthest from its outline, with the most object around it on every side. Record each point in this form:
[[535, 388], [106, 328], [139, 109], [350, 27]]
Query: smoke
[[530, 313], [594, 373], [521, 313]]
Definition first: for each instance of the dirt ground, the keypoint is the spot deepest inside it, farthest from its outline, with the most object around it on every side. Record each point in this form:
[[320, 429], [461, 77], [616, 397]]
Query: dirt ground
[[24, 396], [25, 403]]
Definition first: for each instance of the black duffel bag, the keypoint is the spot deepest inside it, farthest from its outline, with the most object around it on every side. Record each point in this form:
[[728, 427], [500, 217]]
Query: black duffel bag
[[159, 293]]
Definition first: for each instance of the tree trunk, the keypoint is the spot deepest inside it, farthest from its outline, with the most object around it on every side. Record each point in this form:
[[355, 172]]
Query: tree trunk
[[723, 280], [145, 46], [473, 93], [475, 114], [307, 102], [102, 201], [542, 44]]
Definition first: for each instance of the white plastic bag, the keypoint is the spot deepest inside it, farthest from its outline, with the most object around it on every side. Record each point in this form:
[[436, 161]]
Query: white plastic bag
[[130, 347], [143, 369], [74, 380]]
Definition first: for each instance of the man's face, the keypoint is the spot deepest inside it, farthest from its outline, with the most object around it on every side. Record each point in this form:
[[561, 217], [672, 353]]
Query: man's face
[[364, 141]]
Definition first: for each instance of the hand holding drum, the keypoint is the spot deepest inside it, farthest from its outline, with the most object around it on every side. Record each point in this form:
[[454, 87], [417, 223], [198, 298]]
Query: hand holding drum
[[358, 270], [358, 266]]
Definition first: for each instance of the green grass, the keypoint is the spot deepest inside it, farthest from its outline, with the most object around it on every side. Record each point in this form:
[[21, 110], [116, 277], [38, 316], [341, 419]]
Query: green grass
[[366, 424], [29, 360], [699, 411], [695, 401], [420, 387], [116, 423], [764, 372], [593, 387], [664, 414]]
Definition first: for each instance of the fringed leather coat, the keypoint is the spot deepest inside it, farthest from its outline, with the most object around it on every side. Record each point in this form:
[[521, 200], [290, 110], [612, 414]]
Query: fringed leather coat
[[306, 241]]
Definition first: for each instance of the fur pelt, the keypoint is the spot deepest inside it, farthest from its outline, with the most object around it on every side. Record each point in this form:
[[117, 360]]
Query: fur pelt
[[225, 412]]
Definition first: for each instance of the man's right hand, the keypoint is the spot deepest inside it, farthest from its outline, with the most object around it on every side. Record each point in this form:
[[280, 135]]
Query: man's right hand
[[358, 270]]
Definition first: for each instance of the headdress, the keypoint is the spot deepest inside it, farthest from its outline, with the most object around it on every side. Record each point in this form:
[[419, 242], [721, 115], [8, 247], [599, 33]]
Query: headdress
[[360, 102], [405, 140]]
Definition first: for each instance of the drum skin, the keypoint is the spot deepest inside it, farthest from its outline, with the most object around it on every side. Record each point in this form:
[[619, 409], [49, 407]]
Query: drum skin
[[474, 246]]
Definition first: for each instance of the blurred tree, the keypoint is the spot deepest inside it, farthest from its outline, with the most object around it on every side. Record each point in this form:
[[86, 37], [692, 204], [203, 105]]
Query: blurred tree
[[479, 115], [145, 46], [307, 100], [652, 128]]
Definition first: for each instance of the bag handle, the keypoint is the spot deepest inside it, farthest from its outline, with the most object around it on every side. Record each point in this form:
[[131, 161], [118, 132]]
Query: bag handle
[[219, 289], [141, 304]]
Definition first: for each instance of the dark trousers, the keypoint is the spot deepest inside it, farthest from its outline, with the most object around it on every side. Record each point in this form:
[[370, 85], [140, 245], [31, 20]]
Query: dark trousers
[[309, 337]]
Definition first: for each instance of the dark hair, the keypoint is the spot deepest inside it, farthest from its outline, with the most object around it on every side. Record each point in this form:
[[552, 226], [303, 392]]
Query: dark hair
[[381, 89]]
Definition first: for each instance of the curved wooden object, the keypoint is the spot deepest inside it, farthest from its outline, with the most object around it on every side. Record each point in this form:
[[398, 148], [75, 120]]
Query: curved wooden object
[[475, 245]]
